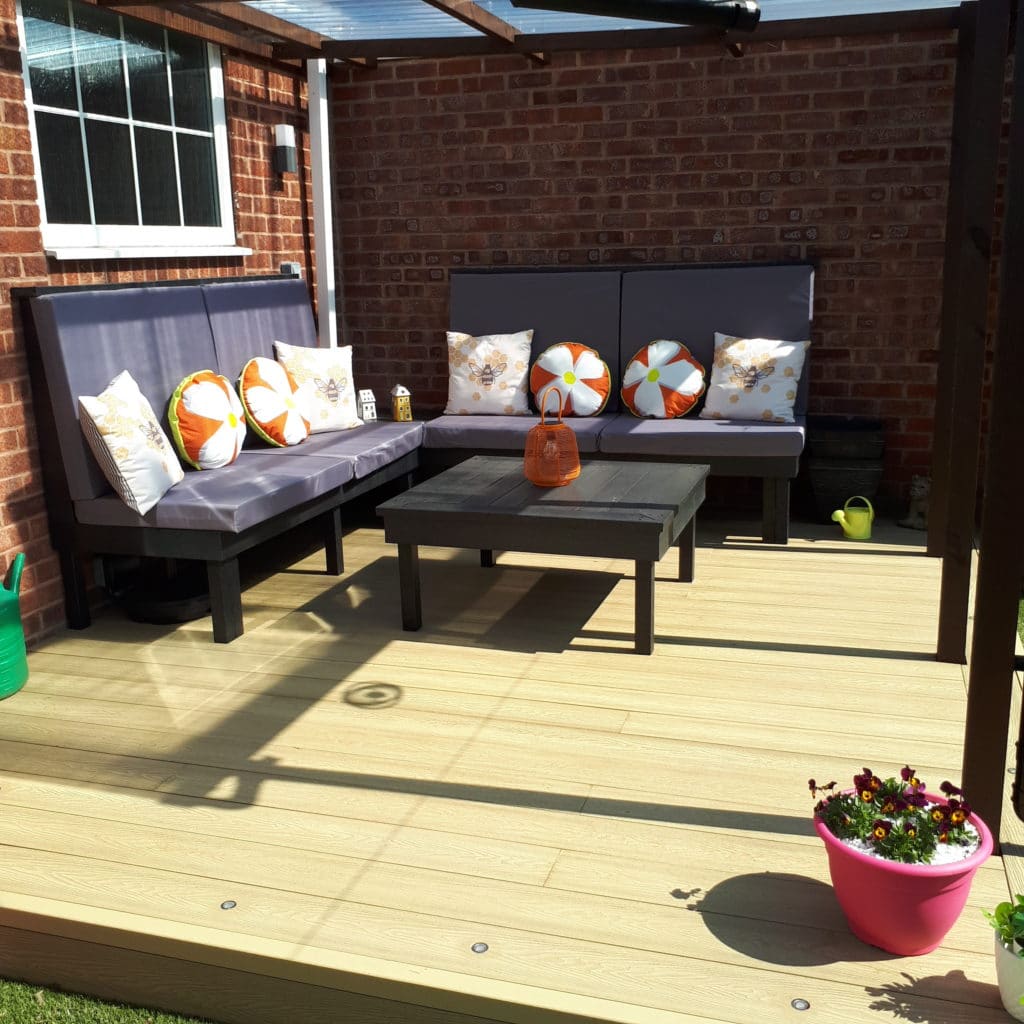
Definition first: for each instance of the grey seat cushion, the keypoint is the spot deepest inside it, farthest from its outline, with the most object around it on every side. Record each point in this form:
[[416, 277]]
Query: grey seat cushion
[[255, 487], [247, 317], [627, 435], [504, 433], [369, 448], [86, 338]]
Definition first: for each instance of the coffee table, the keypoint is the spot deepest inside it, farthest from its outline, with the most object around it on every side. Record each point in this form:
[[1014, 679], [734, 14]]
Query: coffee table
[[629, 510]]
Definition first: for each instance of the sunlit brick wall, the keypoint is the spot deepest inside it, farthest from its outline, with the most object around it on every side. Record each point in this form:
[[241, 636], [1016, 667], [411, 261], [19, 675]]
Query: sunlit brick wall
[[270, 217], [833, 150]]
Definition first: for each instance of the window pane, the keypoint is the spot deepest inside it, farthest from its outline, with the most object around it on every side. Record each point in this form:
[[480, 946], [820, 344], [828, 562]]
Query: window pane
[[191, 82], [63, 169], [98, 46], [198, 180], [110, 166], [158, 188], [147, 72], [51, 68]]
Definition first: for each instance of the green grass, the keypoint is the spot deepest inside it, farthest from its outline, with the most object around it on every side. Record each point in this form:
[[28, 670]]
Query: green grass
[[30, 1004], [1020, 621]]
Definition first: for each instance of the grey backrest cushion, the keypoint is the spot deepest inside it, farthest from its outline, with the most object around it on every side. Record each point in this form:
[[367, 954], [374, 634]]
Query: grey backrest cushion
[[580, 306], [86, 338], [247, 317], [690, 304]]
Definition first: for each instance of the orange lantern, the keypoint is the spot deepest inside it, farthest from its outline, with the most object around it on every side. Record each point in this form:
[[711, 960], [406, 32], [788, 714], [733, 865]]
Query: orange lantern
[[552, 457]]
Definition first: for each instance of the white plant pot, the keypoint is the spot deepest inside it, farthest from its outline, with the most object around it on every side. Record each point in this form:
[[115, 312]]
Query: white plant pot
[[1010, 974]]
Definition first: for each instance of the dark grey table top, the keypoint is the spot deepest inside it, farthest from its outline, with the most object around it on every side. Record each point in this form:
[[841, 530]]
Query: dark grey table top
[[631, 509]]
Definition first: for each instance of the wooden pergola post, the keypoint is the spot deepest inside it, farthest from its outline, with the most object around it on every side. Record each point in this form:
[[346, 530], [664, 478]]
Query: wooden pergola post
[[976, 133], [1001, 563]]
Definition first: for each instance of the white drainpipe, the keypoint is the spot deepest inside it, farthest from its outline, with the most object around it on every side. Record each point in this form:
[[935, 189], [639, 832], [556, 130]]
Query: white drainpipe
[[323, 217]]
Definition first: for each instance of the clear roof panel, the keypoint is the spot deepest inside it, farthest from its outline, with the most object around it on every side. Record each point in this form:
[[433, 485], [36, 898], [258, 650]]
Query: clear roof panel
[[415, 19]]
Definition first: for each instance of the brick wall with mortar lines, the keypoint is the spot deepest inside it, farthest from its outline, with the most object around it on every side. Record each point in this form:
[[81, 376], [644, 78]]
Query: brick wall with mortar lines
[[833, 150], [270, 218]]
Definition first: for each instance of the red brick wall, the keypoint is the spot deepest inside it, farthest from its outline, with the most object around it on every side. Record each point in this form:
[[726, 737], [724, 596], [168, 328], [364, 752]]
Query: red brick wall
[[833, 150], [270, 218]]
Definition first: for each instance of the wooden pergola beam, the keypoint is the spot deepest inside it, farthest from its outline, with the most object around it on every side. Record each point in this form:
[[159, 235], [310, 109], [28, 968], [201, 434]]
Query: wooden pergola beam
[[634, 39], [177, 22], [1001, 563], [483, 21], [965, 325]]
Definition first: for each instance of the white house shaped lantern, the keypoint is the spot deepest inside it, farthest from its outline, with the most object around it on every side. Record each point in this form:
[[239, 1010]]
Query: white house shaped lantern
[[367, 405]]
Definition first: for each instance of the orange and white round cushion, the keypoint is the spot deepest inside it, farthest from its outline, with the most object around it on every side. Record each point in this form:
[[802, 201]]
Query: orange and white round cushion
[[662, 380], [579, 374], [207, 420], [276, 408]]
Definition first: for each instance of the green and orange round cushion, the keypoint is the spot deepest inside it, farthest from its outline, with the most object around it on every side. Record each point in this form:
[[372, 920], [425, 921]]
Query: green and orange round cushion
[[275, 406], [207, 421]]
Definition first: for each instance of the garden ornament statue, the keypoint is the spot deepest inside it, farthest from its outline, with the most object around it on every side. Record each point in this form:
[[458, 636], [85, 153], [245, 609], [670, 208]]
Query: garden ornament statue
[[13, 660], [855, 520]]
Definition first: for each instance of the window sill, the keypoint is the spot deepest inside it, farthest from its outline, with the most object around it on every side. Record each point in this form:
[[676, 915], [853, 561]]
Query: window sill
[[144, 252]]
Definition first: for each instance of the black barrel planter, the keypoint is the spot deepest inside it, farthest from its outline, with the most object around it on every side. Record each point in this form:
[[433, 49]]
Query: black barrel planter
[[844, 458]]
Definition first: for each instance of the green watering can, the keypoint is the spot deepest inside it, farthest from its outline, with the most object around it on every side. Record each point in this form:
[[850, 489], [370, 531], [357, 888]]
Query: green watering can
[[13, 659]]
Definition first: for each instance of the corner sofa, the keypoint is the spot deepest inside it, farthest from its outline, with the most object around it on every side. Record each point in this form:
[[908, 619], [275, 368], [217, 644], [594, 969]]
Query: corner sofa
[[617, 312], [78, 339]]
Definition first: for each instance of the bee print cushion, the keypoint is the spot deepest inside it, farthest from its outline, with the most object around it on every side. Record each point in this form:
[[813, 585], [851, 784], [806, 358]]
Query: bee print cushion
[[754, 379], [326, 375], [129, 444], [207, 420], [662, 381], [488, 374]]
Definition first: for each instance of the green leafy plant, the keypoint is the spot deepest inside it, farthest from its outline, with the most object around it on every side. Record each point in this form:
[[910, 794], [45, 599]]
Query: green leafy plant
[[895, 819], [1008, 921]]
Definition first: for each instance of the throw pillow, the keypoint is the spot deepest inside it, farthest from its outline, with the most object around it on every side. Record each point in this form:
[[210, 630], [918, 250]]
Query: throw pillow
[[754, 379], [578, 372], [129, 444], [275, 406], [327, 375], [207, 420], [662, 380], [488, 374]]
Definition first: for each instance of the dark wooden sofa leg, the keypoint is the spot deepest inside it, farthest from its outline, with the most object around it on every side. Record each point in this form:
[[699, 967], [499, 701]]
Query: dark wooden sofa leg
[[76, 594], [333, 544], [225, 600], [775, 515]]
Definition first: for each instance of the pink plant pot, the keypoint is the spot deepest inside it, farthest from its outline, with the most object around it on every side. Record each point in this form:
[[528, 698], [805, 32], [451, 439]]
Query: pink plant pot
[[905, 909]]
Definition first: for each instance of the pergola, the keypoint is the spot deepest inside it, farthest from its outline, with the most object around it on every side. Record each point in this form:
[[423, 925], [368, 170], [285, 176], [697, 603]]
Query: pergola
[[362, 32]]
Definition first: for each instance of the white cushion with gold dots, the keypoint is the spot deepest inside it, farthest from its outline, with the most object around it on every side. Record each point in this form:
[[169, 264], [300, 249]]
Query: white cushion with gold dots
[[754, 379], [488, 374], [326, 373]]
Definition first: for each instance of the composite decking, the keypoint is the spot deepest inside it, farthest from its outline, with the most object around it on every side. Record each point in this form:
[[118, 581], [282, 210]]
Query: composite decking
[[629, 836]]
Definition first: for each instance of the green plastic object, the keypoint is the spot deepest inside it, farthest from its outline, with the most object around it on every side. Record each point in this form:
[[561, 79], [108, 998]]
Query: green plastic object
[[13, 659]]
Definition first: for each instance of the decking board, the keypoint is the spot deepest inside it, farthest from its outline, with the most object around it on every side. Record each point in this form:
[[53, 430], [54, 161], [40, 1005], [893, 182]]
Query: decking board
[[629, 835]]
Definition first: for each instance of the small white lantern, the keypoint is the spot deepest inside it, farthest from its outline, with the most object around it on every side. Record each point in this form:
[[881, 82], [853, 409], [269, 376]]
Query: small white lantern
[[401, 403], [367, 405]]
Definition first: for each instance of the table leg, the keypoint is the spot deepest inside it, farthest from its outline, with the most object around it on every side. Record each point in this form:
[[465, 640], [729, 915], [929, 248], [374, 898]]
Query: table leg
[[687, 550], [409, 585], [644, 607], [486, 559]]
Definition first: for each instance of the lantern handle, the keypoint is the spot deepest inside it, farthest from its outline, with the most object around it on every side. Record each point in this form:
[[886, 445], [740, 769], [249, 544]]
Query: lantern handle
[[544, 402]]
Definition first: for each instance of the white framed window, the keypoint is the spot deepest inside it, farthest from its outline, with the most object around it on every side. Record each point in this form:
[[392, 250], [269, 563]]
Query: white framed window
[[129, 134]]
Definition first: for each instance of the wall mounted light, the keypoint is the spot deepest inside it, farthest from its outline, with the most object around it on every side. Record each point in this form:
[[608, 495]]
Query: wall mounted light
[[726, 14], [285, 158]]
